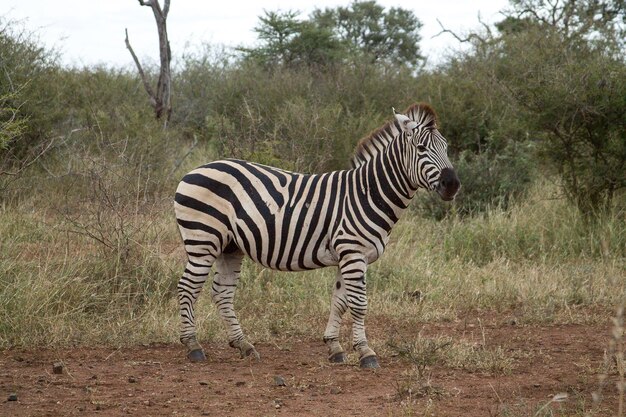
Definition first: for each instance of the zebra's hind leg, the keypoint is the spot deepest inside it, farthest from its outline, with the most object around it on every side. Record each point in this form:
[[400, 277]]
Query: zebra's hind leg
[[189, 288], [227, 271], [338, 307]]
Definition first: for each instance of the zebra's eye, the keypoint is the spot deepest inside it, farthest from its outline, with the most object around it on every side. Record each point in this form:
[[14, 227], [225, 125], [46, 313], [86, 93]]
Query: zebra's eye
[[421, 148]]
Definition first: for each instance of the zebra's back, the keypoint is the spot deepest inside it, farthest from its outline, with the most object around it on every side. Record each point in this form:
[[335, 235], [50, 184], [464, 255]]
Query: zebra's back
[[282, 220]]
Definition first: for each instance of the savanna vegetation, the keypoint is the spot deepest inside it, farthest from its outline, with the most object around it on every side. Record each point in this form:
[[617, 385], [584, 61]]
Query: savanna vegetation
[[534, 109]]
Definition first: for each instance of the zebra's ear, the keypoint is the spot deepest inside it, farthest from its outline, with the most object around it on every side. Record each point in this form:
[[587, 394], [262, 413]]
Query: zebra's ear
[[406, 124]]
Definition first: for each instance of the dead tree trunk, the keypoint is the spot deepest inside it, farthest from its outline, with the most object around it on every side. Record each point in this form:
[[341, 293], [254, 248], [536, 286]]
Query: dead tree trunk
[[159, 99]]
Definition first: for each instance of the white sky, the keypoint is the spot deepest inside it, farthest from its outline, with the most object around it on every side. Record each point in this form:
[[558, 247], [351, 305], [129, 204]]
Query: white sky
[[89, 32]]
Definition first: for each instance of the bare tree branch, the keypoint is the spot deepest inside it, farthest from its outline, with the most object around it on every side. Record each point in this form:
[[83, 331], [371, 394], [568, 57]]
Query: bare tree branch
[[531, 12], [487, 28], [146, 84], [26, 164], [166, 8], [189, 151], [468, 38]]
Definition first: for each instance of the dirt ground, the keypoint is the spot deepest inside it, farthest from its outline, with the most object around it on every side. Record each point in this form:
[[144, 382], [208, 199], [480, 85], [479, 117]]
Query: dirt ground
[[157, 380]]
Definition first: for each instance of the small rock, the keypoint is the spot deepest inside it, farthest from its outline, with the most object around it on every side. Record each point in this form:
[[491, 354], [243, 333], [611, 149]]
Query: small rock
[[57, 368], [240, 383], [12, 397], [279, 381], [335, 390], [132, 379], [204, 383]]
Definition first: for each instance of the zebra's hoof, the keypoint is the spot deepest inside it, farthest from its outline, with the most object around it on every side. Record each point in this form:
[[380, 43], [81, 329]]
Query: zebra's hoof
[[252, 353], [369, 362], [196, 355], [339, 357]]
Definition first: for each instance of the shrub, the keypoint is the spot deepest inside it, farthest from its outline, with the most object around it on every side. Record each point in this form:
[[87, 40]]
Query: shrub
[[295, 118], [26, 86], [489, 180]]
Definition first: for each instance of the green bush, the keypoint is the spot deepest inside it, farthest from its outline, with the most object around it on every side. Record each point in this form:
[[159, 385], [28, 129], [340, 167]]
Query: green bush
[[12, 126], [295, 118], [488, 141], [488, 180], [27, 75]]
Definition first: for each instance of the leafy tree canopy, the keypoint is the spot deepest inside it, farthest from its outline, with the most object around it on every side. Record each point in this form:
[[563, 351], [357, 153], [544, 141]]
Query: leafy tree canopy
[[366, 27], [363, 29]]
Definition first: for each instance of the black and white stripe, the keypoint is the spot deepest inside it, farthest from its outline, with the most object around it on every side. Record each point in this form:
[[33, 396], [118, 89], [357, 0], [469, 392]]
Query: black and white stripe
[[292, 222]]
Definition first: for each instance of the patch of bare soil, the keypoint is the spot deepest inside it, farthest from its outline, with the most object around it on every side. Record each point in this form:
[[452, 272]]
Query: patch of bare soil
[[157, 380]]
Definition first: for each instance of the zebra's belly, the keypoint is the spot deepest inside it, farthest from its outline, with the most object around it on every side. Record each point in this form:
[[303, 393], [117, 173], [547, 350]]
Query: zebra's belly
[[297, 265], [283, 253]]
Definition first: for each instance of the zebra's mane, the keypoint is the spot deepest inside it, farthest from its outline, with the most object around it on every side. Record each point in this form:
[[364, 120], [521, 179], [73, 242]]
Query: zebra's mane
[[380, 138]]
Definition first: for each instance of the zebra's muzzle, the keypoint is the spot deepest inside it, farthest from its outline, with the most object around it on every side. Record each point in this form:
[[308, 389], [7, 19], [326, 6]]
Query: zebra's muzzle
[[449, 184]]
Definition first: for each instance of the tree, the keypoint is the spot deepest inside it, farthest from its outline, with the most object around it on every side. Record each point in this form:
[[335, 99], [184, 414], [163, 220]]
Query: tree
[[286, 40], [565, 65], [159, 99], [364, 29], [552, 75], [574, 100], [588, 19], [391, 36]]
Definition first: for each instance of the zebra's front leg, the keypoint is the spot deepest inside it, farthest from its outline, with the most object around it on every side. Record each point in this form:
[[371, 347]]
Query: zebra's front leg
[[189, 288], [353, 274], [227, 271], [338, 307]]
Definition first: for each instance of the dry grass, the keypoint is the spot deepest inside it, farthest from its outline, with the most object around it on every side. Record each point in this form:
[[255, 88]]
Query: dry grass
[[60, 284], [614, 362], [108, 274], [424, 352]]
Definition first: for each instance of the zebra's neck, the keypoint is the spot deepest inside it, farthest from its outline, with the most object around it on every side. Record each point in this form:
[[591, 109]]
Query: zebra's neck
[[383, 186]]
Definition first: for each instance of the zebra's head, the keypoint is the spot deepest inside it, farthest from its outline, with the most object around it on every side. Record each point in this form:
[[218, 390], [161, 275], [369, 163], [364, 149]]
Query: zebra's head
[[427, 162]]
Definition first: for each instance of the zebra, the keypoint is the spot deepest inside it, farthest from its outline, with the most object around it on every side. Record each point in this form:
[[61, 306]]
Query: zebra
[[289, 221]]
